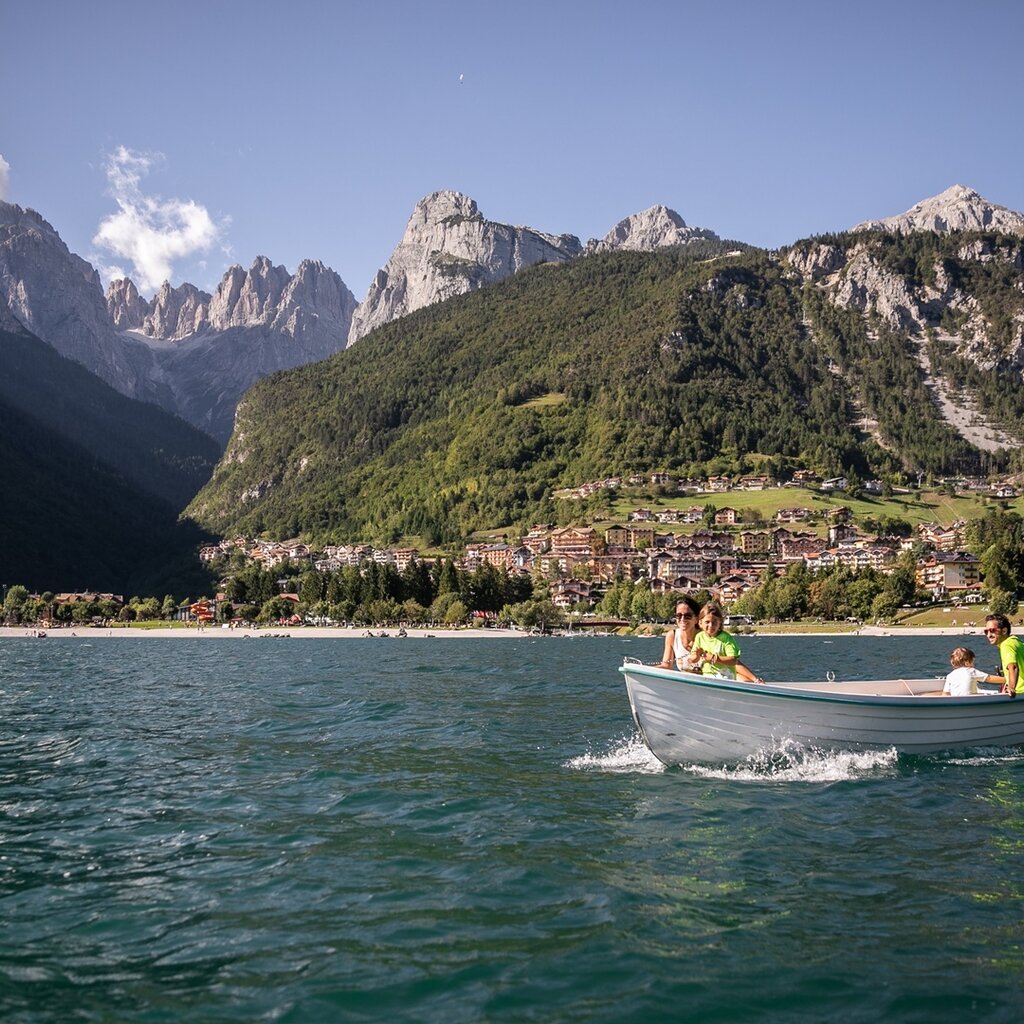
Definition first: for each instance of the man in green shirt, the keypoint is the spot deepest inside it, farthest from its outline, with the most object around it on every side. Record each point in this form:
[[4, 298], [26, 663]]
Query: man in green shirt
[[1011, 653]]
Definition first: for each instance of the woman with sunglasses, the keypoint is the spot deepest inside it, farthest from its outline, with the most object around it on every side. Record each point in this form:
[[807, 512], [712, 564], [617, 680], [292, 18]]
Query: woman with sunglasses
[[679, 640]]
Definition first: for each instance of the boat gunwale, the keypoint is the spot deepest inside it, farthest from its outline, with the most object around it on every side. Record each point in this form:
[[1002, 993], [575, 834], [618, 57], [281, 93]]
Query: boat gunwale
[[818, 696]]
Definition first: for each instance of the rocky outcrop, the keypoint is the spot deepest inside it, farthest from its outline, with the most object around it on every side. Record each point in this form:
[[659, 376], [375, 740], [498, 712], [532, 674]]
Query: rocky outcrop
[[211, 348], [449, 249], [176, 312], [258, 321], [856, 278], [268, 296], [817, 261], [654, 228], [127, 308], [263, 296], [58, 297], [868, 287], [957, 209]]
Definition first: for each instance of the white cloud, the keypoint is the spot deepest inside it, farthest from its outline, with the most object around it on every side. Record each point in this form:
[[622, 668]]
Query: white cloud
[[150, 232], [5, 176]]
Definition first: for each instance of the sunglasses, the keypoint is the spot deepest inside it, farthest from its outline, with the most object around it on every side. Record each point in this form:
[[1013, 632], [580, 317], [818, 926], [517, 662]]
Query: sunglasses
[[684, 615], [990, 632]]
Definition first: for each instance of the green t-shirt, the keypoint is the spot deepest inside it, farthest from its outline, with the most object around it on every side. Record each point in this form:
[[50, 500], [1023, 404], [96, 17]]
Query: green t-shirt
[[1012, 650], [722, 643]]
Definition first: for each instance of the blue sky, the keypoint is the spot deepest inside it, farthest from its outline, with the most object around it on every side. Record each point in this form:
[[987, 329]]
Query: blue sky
[[176, 139]]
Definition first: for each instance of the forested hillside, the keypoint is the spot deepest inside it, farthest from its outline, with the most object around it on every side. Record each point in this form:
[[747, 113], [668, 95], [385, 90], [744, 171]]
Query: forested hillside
[[157, 451], [71, 522], [472, 413]]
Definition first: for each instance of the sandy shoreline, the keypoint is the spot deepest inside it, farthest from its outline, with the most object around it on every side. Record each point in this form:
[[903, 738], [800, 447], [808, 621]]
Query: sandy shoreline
[[412, 633], [289, 632]]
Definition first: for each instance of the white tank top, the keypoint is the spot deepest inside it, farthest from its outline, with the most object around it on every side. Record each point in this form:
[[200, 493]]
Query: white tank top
[[680, 650]]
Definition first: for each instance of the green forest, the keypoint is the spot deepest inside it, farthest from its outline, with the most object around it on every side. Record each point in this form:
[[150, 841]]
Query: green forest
[[470, 414]]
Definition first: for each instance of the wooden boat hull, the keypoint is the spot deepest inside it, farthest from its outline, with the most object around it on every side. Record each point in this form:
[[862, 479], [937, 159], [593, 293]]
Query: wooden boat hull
[[685, 717]]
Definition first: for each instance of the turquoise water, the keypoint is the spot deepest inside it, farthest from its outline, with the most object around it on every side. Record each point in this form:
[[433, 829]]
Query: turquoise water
[[468, 830]]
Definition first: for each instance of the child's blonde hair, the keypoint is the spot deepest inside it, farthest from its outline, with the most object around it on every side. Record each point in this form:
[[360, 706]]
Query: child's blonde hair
[[961, 656]]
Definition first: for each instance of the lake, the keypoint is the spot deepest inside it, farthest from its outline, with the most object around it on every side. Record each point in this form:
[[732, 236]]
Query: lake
[[469, 830]]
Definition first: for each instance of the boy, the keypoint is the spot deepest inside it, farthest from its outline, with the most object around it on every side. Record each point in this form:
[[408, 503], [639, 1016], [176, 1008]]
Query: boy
[[963, 680]]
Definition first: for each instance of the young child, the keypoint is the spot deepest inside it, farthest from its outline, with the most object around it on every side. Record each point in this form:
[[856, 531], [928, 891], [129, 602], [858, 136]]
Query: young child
[[713, 651], [963, 680]]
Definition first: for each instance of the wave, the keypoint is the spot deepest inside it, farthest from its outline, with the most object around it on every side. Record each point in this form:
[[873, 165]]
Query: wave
[[791, 762], [630, 754]]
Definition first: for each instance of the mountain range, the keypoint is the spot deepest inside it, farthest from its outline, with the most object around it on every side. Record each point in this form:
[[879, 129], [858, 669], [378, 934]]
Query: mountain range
[[870, 353], [195, 354]]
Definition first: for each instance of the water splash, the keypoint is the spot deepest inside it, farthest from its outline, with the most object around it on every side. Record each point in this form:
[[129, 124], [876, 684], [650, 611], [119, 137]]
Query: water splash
[[790, 762], [630, 754], [985, 756]]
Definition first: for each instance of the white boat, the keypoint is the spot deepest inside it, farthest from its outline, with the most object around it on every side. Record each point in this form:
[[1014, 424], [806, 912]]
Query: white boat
[[686, 717]]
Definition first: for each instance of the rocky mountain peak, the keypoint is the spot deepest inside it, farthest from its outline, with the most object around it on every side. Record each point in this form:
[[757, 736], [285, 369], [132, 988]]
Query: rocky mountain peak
[[653, 228], [176, 312], [959, 208], [126, 306], [439, 206], [449, 248], [248, 298], [58, 297]]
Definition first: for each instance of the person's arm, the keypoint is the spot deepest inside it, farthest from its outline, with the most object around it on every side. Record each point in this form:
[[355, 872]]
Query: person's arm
[[984, 677], [1012, 673], [730, 653], [697, 655], [668, 654], [745, 675]]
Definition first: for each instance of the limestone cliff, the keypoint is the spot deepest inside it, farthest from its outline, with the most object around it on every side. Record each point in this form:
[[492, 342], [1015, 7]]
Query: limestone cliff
[[448, 249], [957, 209], [653, 228], [257, 322], [58, 297], [935, 304], [190, 352]]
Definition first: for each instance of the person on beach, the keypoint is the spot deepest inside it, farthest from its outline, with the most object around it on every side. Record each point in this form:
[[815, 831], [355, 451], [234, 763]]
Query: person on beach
[[1011, 653], [963, 680], [678, 641]]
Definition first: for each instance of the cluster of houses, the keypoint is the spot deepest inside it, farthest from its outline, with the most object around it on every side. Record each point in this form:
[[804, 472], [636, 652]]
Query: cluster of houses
[[719, 484], [580, 562]]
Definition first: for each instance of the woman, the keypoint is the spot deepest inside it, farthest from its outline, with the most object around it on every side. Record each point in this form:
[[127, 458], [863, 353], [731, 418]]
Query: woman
[[679, 640]]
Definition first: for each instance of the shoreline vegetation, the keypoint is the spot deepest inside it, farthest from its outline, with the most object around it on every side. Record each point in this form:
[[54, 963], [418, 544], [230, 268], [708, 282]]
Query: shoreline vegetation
[[164, 631]]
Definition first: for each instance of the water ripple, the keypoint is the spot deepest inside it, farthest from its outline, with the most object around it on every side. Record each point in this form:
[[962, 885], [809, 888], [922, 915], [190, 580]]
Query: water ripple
[[469, 831]]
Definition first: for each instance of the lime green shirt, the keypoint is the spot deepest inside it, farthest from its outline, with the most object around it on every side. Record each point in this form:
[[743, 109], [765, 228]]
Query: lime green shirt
[[721, 644], [1012, 650]]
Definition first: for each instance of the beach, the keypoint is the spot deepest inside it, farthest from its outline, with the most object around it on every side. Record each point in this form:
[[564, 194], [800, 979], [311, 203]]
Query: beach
[[252, 632], [416, 632]]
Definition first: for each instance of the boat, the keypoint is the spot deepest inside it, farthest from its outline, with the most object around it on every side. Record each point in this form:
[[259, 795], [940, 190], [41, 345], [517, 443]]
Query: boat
[[685, 717]]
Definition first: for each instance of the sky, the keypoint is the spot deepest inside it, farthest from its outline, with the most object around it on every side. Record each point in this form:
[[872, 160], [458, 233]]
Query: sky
[[170, 141]]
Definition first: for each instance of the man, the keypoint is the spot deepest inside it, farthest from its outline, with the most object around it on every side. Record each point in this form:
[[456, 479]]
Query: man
[[1011, 653]]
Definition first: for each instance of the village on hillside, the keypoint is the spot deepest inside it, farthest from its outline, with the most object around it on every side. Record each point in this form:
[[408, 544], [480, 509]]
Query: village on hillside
[[665, 548], [712, 550]]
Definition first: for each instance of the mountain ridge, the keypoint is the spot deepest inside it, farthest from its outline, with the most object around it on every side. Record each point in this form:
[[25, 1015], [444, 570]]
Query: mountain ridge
[[470, 414]]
